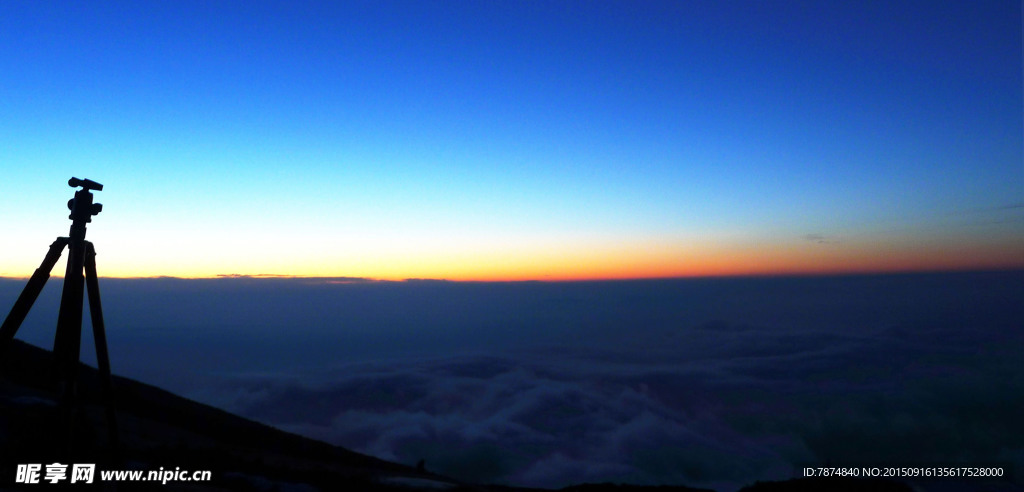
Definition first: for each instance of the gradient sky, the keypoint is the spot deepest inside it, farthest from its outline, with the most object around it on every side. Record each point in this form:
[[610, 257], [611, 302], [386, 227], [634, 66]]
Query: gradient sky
[[515, 139]]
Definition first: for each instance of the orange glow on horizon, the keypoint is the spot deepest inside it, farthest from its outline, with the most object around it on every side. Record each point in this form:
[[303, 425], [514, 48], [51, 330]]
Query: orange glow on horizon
[[610, 262]]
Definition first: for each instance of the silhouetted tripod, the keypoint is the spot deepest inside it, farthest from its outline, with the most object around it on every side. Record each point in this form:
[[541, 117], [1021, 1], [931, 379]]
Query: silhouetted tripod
[[67, 343]]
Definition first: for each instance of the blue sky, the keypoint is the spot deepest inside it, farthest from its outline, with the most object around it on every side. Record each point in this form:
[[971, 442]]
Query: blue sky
[[516, 139]]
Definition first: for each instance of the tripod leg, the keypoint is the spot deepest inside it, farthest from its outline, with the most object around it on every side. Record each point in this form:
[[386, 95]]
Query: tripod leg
[[99, 332], [29, 295], [68, 342]]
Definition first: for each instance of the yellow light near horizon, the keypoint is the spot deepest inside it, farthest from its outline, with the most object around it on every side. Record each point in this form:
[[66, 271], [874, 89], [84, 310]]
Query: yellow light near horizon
[[505, 259], [495, 255]]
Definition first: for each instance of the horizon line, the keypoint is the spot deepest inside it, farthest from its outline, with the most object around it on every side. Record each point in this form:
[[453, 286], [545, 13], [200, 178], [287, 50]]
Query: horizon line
[[335, 279]]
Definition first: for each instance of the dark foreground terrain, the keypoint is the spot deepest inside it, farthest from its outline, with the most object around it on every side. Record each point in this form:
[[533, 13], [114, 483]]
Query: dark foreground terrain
[[159, 430]]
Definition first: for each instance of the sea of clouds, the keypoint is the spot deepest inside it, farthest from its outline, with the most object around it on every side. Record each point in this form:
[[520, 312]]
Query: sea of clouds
[[713, 383]]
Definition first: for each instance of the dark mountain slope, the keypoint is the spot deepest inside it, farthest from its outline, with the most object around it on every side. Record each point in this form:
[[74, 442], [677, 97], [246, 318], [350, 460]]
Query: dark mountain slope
[[159, 429]]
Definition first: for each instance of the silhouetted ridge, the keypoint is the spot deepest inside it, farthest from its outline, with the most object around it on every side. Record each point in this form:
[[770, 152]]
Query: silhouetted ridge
[[161, 429]]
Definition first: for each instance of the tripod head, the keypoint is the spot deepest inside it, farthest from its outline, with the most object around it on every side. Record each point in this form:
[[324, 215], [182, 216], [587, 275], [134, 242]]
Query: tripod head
[[85, 183], [81, 206]]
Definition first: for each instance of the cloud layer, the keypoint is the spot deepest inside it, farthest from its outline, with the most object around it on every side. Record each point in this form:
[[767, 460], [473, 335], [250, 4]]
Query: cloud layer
[[716, 405]]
